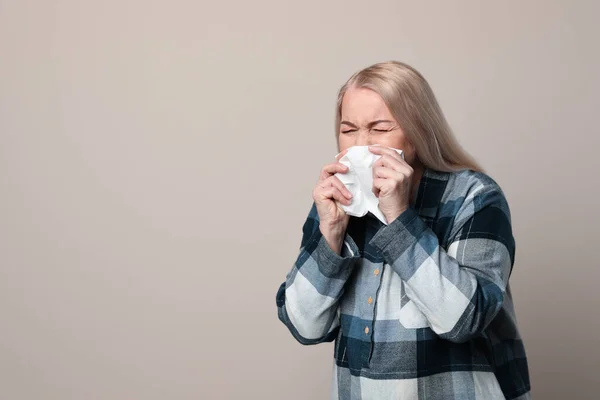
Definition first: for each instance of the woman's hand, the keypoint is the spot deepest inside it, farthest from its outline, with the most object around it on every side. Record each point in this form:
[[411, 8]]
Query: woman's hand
[[328, 194], [392, 182]]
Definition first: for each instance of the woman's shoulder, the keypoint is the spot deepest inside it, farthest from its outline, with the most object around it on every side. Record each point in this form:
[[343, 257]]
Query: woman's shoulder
[[473, 179], [466, 181], [470, 190]]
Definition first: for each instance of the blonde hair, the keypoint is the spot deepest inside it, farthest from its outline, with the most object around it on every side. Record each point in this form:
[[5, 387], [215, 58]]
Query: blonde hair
[[413, 104]]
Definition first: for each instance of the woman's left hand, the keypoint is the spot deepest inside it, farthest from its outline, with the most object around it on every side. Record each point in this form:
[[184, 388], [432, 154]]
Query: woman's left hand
[[392, 182]]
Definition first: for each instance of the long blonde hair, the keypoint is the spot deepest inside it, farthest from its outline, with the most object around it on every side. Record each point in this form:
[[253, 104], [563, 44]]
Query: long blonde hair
[[413, 104]]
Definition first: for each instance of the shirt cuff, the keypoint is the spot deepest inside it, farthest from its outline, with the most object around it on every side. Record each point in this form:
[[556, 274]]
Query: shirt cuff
[[394, 239], [329, 262]]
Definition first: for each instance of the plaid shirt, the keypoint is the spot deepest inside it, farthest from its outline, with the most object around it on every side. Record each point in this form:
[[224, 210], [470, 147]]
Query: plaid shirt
[[420, 308]]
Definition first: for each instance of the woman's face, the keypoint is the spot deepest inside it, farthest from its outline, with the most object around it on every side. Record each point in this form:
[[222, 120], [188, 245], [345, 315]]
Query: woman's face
[[366, 120]]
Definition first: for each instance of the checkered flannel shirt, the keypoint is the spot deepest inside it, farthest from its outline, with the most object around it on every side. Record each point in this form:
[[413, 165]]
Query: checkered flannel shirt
[[420, 308]]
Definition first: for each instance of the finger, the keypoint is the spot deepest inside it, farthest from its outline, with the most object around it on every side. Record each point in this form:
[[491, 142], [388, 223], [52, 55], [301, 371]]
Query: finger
[[388, 173], [389, 153], [332, 169], [381, 150], [335, 182], [342, 154], [384, 172], [379, 185], [394, 159], [397, 164], [332, 192]]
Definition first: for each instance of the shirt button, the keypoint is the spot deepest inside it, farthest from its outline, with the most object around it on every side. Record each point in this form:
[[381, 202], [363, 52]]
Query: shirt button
[[367, 330], [370, 300], [376, 272]]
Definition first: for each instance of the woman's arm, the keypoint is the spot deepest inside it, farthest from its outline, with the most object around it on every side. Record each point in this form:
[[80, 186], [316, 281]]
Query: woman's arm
[[460, 288], [307, 301]]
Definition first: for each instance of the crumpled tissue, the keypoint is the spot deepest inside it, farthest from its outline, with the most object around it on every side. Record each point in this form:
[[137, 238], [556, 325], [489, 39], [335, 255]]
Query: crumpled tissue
[[359, 181]]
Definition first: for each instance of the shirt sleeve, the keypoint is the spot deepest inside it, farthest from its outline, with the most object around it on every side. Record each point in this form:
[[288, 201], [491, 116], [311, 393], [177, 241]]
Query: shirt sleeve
[[459, 287], [308, 300]]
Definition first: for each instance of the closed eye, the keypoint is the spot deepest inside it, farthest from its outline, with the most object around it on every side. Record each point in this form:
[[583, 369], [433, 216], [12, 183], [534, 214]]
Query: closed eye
[[349, 131]]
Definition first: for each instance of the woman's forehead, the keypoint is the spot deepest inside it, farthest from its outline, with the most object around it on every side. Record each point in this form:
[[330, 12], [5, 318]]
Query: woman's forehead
[[361, 105]]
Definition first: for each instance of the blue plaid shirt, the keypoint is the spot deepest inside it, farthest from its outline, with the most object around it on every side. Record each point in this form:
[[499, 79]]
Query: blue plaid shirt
[[420, 308]]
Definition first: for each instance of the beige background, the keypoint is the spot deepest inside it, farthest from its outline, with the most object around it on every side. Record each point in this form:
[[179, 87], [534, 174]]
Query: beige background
[[157, 160]]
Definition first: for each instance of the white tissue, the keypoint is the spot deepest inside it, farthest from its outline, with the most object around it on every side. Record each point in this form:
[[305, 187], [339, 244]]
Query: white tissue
[[359, 181]]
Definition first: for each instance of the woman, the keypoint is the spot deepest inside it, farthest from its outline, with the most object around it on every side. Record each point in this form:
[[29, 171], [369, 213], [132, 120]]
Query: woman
[[420, 307]]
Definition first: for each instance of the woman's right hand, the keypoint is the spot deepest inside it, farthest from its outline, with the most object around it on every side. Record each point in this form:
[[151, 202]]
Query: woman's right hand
[[327, 195]]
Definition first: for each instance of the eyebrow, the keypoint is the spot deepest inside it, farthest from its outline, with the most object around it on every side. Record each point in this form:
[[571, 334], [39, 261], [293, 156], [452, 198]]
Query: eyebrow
[[369, 125], [350, 124]]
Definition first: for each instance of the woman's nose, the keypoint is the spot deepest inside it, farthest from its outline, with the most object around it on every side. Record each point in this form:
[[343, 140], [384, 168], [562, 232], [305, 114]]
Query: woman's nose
[[363, 139]]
